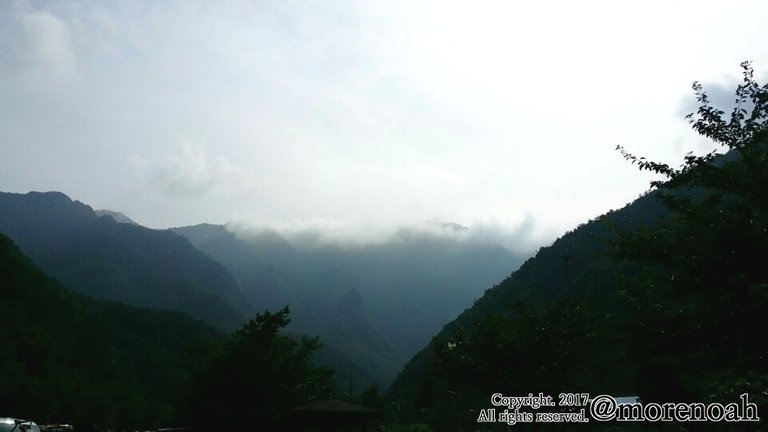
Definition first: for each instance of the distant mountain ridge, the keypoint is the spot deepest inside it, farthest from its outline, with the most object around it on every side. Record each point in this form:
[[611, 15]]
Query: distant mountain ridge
[[117, 216], [120, 261], [377, 303], [578, 265]]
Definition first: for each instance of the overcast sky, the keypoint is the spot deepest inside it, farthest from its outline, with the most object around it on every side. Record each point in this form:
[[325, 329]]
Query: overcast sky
[[358, 115]]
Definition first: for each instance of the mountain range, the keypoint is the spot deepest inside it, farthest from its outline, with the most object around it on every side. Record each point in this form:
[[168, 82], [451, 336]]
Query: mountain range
[[131, 264], [373, 305], [378, 303]]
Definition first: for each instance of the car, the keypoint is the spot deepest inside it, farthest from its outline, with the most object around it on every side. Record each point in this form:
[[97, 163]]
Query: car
[[56, 428], [8, 424], [176, 429]]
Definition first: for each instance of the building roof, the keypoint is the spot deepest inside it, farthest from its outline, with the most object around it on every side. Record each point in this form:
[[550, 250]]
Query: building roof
[[335, 406]]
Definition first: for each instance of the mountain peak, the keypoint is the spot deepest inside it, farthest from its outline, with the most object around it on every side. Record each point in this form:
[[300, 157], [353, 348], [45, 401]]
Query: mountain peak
[[351, 306], [49, 195], [116, 216]]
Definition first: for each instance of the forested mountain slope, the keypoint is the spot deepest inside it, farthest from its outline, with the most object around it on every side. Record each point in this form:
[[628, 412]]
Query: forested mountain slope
[[66, 358], [120, 262], [665, 299]]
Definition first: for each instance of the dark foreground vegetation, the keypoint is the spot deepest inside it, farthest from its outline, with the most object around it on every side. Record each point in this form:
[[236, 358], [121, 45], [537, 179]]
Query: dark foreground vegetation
[[68, 359], [665, 299]]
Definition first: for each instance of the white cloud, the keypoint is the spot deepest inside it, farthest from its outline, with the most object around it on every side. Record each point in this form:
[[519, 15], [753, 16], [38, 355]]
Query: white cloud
[[518, 236], [45, 49], [47, 40], [189, 172]]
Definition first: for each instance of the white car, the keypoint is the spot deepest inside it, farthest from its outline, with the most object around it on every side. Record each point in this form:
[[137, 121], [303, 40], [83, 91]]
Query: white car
[[8, 424]]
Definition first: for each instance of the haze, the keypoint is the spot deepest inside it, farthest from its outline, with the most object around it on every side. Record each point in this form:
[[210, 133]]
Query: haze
[[358, 116]]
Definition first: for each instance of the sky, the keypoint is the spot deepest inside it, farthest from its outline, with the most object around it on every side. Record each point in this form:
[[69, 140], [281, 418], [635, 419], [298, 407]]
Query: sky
[[360, 117]]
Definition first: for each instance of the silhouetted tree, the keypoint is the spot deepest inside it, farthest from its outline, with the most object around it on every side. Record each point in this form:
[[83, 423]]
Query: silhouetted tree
[[703, 298], [258, 377]]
